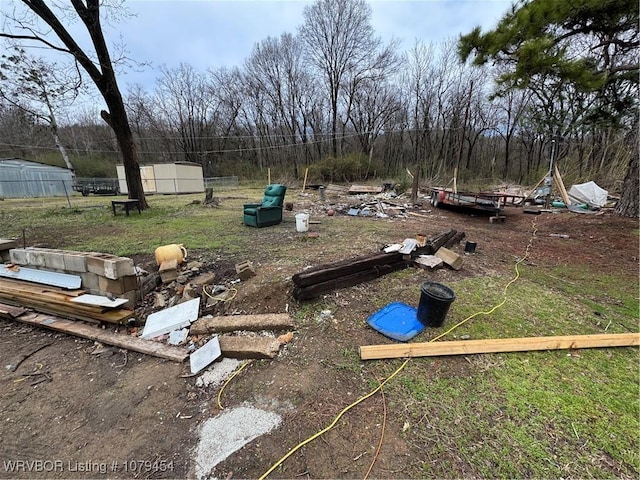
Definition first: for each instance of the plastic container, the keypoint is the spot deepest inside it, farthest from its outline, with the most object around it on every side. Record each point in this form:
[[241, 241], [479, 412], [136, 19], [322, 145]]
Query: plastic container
[[435, 300], [170, 252], [397, 321], [302, 222], [470, 247]]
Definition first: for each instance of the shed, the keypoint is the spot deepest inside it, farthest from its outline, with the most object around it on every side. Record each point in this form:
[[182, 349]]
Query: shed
[[21, 178], [170, 178]]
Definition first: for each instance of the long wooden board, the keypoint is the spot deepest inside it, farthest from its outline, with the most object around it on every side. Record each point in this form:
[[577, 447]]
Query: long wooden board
[[176, 354], [497, 345]]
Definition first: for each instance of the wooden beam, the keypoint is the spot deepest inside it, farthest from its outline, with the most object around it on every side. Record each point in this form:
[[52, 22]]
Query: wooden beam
[[323, 273], [231, 323], [315, 290], [497, 345], [108, 337], [560, 185]]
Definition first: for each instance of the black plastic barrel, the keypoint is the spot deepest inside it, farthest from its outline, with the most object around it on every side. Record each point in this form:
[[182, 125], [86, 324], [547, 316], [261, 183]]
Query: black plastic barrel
[[435, 300]]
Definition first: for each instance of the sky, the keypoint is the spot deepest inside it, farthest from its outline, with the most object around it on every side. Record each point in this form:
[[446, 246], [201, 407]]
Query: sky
[[217, 33]]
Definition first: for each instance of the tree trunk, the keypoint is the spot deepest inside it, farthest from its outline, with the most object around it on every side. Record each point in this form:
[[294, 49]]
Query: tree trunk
[[628, 205]]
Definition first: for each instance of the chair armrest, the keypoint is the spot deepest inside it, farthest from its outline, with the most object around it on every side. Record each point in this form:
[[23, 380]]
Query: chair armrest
[[252, 205]]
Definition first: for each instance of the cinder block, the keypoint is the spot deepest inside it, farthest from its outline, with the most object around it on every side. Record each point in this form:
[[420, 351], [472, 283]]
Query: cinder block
[[35, 257], [245, 270], [18, 256], [168, 270], [54, 259], [90, 281], [130, 282], [75, 262], [110, 266], [115, 287], [131, 296]]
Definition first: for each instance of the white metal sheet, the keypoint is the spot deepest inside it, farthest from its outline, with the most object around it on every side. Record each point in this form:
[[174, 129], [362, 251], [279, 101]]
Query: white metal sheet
[[171, 318], [205, 355], [44, 277], [99, 301]]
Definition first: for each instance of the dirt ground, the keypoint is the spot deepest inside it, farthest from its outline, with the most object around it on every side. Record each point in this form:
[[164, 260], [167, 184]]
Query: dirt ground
[[119, 414]]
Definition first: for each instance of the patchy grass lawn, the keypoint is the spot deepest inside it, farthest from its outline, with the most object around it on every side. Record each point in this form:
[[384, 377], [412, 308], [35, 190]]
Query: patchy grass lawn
[[553, 414]]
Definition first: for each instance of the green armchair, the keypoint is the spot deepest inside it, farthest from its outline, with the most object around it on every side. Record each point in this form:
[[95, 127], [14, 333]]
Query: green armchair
[[269, 211]]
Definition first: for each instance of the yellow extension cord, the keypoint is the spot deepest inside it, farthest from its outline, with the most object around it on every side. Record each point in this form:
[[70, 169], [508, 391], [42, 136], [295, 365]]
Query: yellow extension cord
[[404, 364]]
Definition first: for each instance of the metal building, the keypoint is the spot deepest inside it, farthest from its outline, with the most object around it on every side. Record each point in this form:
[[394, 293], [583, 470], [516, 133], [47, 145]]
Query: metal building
[[26, 179]]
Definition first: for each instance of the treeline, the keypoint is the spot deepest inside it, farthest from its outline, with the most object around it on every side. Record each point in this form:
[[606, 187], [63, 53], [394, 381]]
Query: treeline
[[353, 111]]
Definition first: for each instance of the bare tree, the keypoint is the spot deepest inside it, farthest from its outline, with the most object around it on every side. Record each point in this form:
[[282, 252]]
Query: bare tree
[[39, 88], [340, 42], [101, 72]]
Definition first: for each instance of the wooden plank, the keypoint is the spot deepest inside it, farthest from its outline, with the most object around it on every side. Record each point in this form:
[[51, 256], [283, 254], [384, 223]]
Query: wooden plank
[[330, 271], [449, 257], [176, 354], [244, 347], [10, 311], [499, 345], [561, 187], [230, 323]]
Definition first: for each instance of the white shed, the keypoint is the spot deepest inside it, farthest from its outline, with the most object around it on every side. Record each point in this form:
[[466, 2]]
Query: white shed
[[171, 178]]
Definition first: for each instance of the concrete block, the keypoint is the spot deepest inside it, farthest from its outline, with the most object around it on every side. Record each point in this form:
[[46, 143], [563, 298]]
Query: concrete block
[[18, 256], [245, 270], [54, 259], [35, 257], [110, 266], [132, 298], [90, 281], [75, 262], [168, 270], [115, 287], [130, 282]]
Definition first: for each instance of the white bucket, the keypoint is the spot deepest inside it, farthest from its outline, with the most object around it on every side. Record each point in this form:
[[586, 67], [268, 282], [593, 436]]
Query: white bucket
[[302, 222]]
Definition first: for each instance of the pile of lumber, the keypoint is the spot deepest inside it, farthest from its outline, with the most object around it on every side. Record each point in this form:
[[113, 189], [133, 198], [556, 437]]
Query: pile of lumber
[[57, 301], [316, 281]]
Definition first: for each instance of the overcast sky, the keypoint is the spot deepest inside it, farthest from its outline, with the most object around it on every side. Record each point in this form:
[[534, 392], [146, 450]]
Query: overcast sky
[[216, 33]]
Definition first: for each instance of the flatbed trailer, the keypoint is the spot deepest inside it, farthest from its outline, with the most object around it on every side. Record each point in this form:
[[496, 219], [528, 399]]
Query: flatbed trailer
[[491, 203]]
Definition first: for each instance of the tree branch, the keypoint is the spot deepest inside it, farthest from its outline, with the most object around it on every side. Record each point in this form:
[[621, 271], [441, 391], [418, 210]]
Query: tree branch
[[36, 38]]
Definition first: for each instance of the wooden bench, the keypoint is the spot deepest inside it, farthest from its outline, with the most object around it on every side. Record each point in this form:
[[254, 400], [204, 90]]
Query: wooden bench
[[126, 204]]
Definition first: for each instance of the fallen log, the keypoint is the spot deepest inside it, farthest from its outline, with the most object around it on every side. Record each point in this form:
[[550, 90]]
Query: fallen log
[[331, 271], [315, 290], [498, 345], [231, 323]]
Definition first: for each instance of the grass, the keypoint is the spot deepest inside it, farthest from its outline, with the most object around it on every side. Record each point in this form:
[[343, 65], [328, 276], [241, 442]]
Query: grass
[[535, 414], [554, 414]]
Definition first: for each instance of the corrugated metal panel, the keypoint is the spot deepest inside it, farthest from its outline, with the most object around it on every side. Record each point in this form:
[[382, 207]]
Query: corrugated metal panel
[[24, 179]]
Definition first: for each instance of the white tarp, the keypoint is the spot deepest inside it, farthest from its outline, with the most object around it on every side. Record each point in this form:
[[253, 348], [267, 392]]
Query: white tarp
[[589, 193]]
